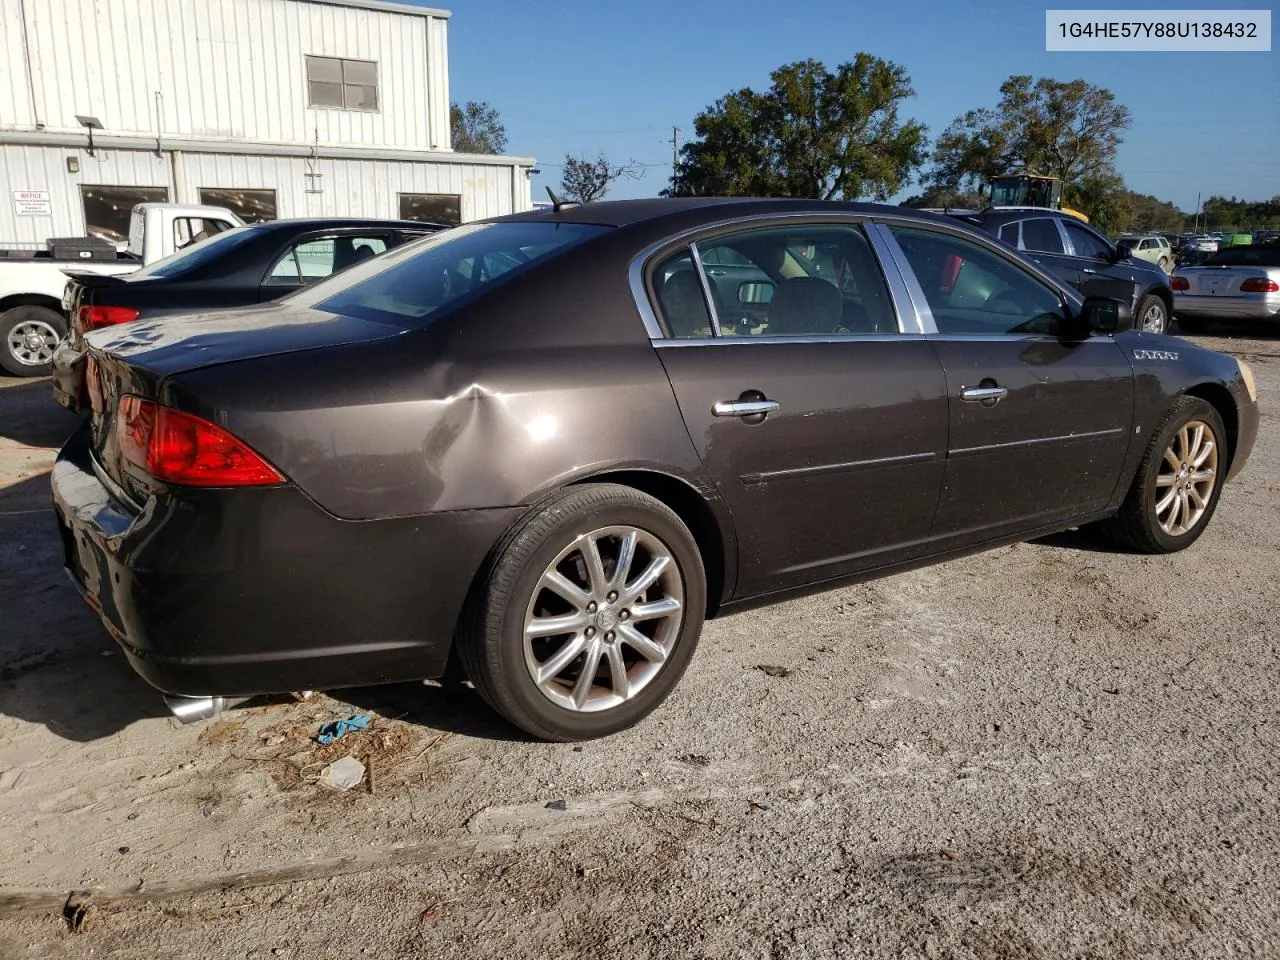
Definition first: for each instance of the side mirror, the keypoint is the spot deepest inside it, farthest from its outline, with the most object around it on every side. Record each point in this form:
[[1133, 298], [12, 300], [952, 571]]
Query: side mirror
[[1104, 315]]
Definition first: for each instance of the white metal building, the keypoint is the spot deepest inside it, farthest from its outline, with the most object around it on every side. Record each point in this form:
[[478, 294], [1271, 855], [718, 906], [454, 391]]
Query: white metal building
[[275, 108]]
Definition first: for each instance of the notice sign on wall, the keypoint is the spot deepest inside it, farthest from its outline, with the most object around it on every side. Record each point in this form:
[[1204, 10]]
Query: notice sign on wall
[[32, 203]]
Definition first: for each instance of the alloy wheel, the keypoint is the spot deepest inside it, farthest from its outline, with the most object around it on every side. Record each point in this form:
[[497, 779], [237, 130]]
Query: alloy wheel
[[603, 619], [1155, 319], [32, 342], [1188, 473]]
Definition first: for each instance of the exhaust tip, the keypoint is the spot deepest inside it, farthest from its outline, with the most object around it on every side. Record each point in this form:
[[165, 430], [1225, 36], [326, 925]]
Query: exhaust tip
[[194, 709]]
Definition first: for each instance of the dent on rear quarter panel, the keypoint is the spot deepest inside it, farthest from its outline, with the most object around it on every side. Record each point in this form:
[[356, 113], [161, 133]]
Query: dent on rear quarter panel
[[490, 407]]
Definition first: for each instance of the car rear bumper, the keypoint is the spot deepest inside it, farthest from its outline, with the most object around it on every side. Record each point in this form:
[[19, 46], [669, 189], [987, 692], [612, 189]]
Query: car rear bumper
[[1262, 307], [259, 590], [68, 374]]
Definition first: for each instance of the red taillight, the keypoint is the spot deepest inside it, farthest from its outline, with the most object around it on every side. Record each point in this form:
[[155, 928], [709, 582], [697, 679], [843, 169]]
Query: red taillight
[[94, 317], [1180, 283], [182, 449], [1259, 285]]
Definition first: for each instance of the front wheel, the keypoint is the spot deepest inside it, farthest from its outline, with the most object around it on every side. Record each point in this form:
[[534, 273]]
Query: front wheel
[[587, 614], [28, 336], [1178, 482], [1153, 316]]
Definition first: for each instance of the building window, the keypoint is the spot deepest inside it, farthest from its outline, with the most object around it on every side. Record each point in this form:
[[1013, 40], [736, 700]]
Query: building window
[[251, 206], [443, 208], [342, 84], [107, 209]]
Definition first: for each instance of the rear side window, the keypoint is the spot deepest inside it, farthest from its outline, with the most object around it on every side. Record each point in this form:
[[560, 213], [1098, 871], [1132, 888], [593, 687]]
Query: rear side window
[[413, 282], [1041, 234], [1247, 257], [197, 255], [680, 296]]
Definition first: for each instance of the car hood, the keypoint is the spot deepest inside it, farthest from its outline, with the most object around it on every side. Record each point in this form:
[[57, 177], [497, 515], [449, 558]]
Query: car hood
[[169, 345]]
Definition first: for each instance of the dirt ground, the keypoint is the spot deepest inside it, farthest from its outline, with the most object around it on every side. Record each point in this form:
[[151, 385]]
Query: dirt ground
[[1049, 750]]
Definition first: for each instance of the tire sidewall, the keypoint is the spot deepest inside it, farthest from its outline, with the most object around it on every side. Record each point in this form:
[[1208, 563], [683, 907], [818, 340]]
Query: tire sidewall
[[507, 623], [23, 314], [1191, 408]]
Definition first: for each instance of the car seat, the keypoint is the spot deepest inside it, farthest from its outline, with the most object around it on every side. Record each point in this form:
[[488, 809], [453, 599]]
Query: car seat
[[805, 305]]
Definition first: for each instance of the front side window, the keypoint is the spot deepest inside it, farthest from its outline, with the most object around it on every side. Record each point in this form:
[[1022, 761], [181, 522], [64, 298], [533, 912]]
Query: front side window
[[342, 84], [799, 280], [1085, 242], [973, 291], [317, 258], [1041, 234]]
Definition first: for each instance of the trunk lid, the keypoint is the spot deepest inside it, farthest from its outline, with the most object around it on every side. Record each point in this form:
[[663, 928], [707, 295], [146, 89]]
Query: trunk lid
[[1223, 280]]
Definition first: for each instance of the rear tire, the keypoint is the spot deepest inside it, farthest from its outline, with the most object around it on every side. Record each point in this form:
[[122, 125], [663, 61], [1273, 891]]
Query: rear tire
[[1178, 483], [625, 641], [28, 336]]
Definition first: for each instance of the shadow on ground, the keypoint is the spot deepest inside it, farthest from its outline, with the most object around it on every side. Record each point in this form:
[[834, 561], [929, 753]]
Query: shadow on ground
[[29, 414]]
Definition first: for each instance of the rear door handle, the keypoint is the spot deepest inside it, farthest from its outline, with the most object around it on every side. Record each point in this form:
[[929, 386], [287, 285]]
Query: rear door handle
[[744, 408], [715, 273], [985, 395], [1088, 270]]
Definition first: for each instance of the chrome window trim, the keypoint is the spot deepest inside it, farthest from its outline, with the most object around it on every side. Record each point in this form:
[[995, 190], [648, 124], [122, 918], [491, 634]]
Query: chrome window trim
[[905, 312], [706, 288], [734, 339], [920, 311]]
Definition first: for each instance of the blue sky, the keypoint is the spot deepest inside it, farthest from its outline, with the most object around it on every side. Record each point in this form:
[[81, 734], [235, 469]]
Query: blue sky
[[583, 77]]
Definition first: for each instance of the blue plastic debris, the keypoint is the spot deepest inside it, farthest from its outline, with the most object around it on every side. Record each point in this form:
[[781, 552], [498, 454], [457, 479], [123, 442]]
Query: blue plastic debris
[[336, 729]]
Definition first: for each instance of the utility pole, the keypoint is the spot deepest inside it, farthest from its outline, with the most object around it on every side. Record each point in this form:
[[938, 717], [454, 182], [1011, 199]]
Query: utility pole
[[1195, 228], [675, 150]]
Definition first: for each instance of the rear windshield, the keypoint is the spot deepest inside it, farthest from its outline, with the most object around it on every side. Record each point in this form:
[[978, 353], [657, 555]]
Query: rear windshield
[[197, 254], [406, 286], [1246, 257]]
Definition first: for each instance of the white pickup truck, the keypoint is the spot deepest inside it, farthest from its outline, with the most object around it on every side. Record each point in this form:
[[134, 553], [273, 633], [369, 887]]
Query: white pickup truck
[[31, 281]]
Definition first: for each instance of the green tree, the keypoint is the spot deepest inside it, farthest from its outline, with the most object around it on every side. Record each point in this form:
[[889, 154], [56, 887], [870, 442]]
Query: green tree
[[474, 127], [586, 179], [813, 133], [945, 197], [1065, 129]]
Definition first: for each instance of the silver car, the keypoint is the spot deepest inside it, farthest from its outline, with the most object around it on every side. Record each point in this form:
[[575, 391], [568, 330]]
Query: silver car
[[1239, 283]]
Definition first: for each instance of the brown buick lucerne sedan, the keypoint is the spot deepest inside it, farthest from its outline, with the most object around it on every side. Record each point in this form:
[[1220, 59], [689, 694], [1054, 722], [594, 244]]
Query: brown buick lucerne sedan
[[555, 442]]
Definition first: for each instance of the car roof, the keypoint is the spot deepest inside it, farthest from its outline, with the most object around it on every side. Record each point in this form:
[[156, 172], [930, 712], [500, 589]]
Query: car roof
[[622, 213]]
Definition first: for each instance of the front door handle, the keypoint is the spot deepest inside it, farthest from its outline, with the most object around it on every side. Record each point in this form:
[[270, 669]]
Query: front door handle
[[987, 396], [715, 273], [744, 408], [1088, 270]]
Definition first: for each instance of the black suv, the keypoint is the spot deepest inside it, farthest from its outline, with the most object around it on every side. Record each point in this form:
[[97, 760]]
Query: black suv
[[1084, 258]]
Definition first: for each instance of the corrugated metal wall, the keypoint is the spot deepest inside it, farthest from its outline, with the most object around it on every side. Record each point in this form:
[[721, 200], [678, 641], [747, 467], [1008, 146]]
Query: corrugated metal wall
[[45, 168], [365, 188], [227, 69]]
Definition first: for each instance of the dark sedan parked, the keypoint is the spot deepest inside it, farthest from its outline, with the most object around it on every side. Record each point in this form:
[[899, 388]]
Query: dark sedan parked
[[1079, 255], [536, 442], [239, 267]]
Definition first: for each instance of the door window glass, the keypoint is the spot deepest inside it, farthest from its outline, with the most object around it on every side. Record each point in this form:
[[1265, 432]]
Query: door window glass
[[1085, 242], [1009, 234], [684, 307], [971, 290], [319, 257], [1041, 234], [801, 280], [189, 230]]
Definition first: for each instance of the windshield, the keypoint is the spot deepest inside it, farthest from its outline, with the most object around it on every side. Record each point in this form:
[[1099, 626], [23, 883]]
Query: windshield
[[1246, 257], [197, 254], [406, 286]]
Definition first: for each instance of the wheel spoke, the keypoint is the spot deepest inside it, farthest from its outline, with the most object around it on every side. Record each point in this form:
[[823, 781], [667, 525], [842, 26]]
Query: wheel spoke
[[648, 576], [1171, 459], [560, 585], [595, 566], [551, 626], [555, 664], [659, 608], [1197, 498], [626, 555], [1184, 439], [641, 644], [1200, 476], [582, 689], [618, 671], [1190, 455], [1206, 452], [1165, 480], [1163, 504]]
